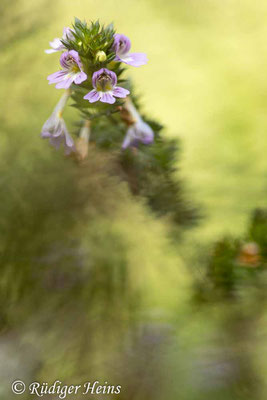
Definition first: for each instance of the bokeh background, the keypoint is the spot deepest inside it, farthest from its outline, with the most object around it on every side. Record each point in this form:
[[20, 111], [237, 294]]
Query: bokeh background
[[92, 285]]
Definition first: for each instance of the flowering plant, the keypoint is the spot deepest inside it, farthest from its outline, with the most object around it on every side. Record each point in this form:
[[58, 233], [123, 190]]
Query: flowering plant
[[91, 68], [92, 62]]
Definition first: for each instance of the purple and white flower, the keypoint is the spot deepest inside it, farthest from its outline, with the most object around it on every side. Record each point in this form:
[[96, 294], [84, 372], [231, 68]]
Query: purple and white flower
[[71, 72], [57, 45], [105, 87], [55, 128], [121, 46], [139, 131]]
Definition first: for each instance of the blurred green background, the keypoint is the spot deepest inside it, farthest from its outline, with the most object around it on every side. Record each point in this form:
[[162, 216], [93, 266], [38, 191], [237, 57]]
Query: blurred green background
[[126, 316]]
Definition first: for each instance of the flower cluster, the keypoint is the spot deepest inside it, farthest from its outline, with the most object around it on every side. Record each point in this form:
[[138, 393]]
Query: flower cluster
[[90, 63]]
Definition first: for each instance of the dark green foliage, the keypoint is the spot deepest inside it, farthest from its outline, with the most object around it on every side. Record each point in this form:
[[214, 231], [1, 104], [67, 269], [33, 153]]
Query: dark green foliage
[[89, 40], [151, 172], [221, 269], [232, 269], [257, 231]]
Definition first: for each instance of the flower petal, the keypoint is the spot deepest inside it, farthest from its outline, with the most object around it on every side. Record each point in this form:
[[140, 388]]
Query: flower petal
[[96, 76], [65, 83], [122, 44], [92, 96], [135, 59], [143, 132], [57, 76], [127, 141], [51, 125], [50, 51], [139, 132], [68, 34], [112, 75], [70, 58], [55, 45], [45, 134], [56, 141], [80, 77], [68, 139], [120, 92], [75, 55], [106, 97]]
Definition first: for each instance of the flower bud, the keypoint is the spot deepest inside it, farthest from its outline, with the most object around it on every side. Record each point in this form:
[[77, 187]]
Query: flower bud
[[101, 56], [83, 142]]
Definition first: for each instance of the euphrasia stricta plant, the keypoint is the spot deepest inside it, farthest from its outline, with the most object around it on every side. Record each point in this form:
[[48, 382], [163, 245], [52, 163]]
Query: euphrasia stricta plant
[[91, 65], [93, 61]]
